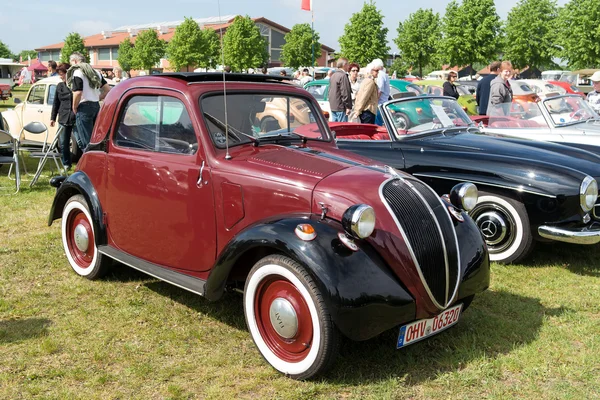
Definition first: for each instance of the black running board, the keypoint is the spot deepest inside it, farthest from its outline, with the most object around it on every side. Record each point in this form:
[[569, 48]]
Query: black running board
[[183, 281]]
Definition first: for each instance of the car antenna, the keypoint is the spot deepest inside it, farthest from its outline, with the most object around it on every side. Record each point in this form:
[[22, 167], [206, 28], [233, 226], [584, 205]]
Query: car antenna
[[227, 155]]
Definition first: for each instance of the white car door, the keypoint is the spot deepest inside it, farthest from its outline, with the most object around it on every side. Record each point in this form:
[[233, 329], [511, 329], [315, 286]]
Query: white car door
[[37, 108]]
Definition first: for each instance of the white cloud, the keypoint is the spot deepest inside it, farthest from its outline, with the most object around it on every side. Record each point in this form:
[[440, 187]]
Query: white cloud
[[87, 28]]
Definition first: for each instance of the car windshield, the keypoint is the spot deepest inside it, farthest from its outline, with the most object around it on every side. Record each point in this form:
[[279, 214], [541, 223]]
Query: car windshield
[[419, 115], [566, 110], [254, 117]]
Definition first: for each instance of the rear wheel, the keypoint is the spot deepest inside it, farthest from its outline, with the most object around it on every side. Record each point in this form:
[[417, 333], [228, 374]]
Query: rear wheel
[[505, 227], [288, 319], [78, 238]]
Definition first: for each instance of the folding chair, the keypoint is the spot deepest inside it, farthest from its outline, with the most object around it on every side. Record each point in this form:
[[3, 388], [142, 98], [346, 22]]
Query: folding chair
[[48, 151], [10, 144]]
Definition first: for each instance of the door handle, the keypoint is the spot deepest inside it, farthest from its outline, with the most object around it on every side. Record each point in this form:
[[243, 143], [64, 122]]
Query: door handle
[[199, 183]]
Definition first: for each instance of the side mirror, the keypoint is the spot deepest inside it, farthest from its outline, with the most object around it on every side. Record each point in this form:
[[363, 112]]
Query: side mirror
[[17, 100]]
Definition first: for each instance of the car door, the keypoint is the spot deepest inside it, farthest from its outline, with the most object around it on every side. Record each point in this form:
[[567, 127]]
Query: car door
[[159, 195], [33, 110]]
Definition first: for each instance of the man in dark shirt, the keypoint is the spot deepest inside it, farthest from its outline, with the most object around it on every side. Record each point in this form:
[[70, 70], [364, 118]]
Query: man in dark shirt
[[52, 68], [483, 88], [340, 92]]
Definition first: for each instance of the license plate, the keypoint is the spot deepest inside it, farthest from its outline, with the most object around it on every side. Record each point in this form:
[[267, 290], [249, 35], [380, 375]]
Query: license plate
[[424, 328]]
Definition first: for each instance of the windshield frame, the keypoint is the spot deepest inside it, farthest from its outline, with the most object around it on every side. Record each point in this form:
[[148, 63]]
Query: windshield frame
[[383, 109], [310, 101], [548, 115]]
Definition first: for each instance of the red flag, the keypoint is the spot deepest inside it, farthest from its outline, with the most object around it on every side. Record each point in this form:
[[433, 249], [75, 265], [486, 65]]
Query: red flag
[[307, 5]]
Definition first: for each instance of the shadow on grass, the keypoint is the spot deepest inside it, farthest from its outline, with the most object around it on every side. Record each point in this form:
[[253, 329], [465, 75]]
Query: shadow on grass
[[15, 330], [582, 260], [495, 324]]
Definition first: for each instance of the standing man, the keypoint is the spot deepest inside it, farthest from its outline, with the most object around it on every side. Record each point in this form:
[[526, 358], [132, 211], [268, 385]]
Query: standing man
[[383, 85], [483, 88], [367, 97], [593, 97], [89, 87], [52, 68], [305, 77], [340, 92], [500, 92]]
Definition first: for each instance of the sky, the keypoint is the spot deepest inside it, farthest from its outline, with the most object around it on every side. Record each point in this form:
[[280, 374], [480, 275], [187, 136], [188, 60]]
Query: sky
[[35, 23]]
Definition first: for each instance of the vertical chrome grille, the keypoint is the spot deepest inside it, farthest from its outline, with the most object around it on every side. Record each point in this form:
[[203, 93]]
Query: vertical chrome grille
[[429, 233], [596, 209]]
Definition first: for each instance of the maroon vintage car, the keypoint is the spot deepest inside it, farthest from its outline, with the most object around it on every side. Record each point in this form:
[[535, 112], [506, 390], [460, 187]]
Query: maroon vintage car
[[248, 191]]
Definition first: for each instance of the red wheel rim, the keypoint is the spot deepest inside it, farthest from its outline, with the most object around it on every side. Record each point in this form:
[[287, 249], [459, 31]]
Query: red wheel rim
[[296, 348], [84, 258]]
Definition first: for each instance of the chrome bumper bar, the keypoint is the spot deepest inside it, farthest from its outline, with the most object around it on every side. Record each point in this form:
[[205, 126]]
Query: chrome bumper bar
[[570, 235]]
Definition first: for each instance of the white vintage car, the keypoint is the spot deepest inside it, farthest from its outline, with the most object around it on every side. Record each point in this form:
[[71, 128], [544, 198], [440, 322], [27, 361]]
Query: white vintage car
[[566, 119]]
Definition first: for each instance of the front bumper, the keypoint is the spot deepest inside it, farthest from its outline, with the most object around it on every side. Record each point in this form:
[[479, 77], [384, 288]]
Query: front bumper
[[585, 235]]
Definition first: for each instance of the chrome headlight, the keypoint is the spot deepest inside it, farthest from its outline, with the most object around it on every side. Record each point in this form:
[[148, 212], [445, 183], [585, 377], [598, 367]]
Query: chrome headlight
[[464, 196], [359, 221], [588, 193]]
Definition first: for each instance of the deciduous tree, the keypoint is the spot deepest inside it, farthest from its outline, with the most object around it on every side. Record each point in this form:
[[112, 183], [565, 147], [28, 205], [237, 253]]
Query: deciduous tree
[[365, 37], [26, 54], [419, 38], [579, 33], [5, 51], [125, 57], [298, 48], [470, 32], [530, 33], [148, 50], [192, 46], [243, 46], [73, 43]]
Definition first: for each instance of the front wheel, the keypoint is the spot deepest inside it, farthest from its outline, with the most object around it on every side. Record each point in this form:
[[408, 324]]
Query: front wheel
[[288, 318], [505, 227], [78, 239]]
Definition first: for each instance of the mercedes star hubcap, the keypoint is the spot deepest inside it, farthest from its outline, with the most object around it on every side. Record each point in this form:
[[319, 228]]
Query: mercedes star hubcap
[[493, 227]]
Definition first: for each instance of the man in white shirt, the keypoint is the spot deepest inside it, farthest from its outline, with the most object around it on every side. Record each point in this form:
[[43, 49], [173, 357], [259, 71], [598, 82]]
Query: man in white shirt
[[89, 87], [305, 77], [383, 85], [593, 97]]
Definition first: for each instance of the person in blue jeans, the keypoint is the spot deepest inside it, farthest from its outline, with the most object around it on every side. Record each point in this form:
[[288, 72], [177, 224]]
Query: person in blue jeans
[[89, 87], [63, 109], [340, 92]]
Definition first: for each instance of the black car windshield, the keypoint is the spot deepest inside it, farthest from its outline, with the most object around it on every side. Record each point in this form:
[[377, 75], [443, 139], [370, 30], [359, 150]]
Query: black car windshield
[[423, 114], [252, 117]]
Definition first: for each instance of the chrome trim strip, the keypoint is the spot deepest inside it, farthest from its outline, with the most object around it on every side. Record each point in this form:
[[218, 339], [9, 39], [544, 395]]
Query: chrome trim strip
[[405, 237], [114, 257], [485, 183], [458, 277], [576, 236], [414, 189]]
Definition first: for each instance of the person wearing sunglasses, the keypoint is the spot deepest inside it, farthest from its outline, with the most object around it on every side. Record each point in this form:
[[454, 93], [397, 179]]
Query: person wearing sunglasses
[[449, 86]]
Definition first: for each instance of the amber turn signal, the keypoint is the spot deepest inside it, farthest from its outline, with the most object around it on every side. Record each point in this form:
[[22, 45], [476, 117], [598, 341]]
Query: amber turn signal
[[305, 232]]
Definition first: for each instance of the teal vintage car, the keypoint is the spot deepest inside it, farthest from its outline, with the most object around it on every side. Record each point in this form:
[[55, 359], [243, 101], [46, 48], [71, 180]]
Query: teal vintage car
[[410, 117], [466, 99]]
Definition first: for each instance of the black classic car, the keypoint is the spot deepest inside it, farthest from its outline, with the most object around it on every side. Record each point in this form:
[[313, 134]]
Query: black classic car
[[528, 191]]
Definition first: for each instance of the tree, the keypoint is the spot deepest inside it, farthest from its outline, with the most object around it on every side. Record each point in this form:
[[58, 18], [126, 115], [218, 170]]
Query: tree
[[125, 57], [419, 37], [365, 37], [192, 46], [73, 43], [470, 32], [25, 54], [5, 51], [148, 50], [298, 48], [243, 46], [579, 33], [399, 66], [529, 37]]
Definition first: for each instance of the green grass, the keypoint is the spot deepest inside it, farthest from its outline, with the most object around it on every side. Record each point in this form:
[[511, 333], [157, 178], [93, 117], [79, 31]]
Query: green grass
[[17, 92], [534, 334]]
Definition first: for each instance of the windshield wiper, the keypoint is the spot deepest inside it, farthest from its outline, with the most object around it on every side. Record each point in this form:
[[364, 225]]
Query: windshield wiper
[[229, 129], [279, 136]]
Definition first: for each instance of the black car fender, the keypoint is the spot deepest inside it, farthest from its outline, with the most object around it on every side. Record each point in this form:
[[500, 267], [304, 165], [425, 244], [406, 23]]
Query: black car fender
[[80, 183], [363, 295]]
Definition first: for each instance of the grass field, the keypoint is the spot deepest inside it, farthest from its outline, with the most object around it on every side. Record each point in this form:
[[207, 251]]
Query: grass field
[[533, 335], [17, 92]]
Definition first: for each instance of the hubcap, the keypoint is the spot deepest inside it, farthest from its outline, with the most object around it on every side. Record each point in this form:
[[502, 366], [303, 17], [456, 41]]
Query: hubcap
[[283, 318], [493, 227], [81, 238]]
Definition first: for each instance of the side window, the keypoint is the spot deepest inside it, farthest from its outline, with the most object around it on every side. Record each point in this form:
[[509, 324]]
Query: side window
[[36, 95], [318, 91], [156, 123], [51, 94]]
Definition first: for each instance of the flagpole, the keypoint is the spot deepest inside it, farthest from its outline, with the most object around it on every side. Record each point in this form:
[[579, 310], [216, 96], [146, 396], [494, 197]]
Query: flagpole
[[312, 44]]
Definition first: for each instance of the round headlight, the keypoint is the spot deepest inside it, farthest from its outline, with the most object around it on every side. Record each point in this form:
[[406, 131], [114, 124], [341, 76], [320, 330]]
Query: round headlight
[[359, 221], [464, 196], [588, 193]]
